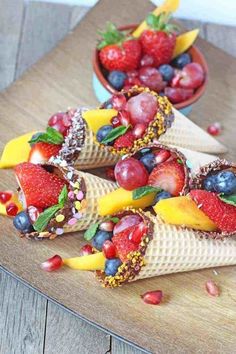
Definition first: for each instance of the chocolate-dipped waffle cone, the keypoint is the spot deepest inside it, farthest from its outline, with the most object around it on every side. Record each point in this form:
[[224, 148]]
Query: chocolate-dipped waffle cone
[[167, 249], [80, 209]]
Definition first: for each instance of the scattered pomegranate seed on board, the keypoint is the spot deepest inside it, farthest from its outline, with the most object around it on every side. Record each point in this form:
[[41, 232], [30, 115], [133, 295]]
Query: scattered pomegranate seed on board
[[152, 297], [214, 129], [52, 263], [5, 197], [11, 209], [86, 250], [211, 288]]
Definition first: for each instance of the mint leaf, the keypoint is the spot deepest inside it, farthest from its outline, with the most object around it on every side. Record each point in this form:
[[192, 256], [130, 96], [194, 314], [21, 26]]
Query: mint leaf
[[115, 133], [229, 199], [63, 196], [45, 217], [52, 136], [114, 219], [88, 235], [142, 191]]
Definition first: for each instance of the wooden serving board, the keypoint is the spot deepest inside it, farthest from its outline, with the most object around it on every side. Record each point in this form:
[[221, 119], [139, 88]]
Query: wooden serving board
[[188, 321]]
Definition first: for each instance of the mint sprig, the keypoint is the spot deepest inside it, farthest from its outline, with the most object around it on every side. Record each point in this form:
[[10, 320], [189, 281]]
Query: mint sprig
[[90, 233], [51, 136], [143, 191], [44, 218], [229, 199], [115, 133]]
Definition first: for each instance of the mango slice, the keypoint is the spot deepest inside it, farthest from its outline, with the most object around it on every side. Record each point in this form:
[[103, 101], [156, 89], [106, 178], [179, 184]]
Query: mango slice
[[120, 198], [183, 211], [184, 41], [16, 151], [91, 262], [96, 118], [167, 6], [14, 199]]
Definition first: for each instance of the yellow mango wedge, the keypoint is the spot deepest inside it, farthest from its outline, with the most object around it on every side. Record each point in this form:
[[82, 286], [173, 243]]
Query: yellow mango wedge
[[184, 41], [16, 151], [183, 211], [14, 199], [94, 261], [120, 198], [167, 6], [96, 118]]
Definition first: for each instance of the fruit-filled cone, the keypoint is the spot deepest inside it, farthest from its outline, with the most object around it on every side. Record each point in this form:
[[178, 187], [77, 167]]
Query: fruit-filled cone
[[140, 245], [151, 174], [57, 200], [210, 206]]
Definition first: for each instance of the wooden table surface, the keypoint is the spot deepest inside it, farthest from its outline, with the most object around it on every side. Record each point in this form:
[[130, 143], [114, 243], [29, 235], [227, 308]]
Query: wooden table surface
[[188, 321]]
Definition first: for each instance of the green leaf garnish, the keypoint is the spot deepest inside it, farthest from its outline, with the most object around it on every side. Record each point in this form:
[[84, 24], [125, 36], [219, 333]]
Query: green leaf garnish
[[88, 235], [111, 36], [45, 217], [51, 136], [229, 199], [113, 218], [48, 213], [142, 191], [115, 133]]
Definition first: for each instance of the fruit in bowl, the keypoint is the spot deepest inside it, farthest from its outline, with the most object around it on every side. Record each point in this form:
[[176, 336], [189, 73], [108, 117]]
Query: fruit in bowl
[[158, 58]]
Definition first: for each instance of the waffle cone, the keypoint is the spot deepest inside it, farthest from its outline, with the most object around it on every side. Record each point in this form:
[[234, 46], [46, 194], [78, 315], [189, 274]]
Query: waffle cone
[[174, 249], [186, 134]]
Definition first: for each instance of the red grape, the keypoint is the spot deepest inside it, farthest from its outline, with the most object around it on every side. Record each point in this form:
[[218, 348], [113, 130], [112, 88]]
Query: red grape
[[151, 78], [142, 108], [126, 222]]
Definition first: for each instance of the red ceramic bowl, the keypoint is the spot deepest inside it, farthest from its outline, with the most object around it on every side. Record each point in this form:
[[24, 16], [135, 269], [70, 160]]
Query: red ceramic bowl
[[183, 106]]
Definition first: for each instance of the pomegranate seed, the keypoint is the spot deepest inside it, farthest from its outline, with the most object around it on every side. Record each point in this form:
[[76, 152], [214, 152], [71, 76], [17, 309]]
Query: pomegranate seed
[[132, 74], [214, 129], [12, 209], [5, 197], [152, 297], [147, 60], [52, 263], [109, 249], [118, 101], [107, 226], [115, 122], [138, 232], [86, 250], [66, 120], [33, 213], [212, 288], [124, 118], [139, 130], [110, 173], [162, 156], [132, 81], [57, 122]]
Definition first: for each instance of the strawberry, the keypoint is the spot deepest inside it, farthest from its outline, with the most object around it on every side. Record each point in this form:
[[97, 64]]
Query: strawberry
[[124, 141], [41, 189], [221, 213], [41, 152], [118, 52], [159, 41], [168, 175], [123, 244]]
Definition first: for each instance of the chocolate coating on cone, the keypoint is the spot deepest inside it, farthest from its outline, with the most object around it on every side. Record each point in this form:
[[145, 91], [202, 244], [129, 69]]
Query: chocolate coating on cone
[[135, 260], [158, 126], [197, 183]]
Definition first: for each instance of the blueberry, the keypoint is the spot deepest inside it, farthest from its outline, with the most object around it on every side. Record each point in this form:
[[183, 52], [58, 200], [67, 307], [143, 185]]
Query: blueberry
[[117, 79], [103, 131], [182, 60], [225, 182], [148, 160], [161, 195], [99, 238], [112, 265], [22, 222], [167, 72], [209, 183], [34, 136]]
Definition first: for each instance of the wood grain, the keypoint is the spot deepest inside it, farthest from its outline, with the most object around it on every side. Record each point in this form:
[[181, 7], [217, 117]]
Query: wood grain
[[119, 347], [23, 314], [11, 15], [66, 334], [223, 37], [188, 318]]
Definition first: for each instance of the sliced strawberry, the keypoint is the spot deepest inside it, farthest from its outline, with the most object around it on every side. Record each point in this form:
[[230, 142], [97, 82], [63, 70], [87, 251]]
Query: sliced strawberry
[[169, 176], [41, 152], [123, 244], [221, 213], [41, 189], [124, 141]]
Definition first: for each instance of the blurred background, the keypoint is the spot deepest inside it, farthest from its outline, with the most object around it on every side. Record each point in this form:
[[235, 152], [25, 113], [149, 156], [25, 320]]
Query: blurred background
[[31, 28]]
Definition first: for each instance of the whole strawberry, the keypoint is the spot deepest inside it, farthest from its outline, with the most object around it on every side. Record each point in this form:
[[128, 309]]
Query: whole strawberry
[[117, 51], [159, 41]]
